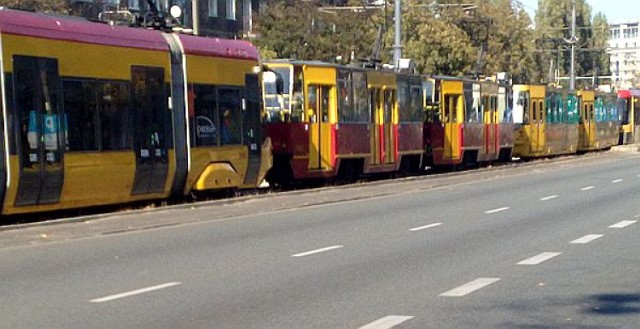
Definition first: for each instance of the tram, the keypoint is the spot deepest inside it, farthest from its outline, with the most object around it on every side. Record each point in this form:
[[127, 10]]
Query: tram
[[338, 121], [95, 114], [548, 121], [466, 122], [629, 116], [598, 128]]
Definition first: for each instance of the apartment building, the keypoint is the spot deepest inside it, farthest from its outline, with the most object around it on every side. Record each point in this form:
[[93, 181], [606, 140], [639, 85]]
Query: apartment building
[[624, 52]]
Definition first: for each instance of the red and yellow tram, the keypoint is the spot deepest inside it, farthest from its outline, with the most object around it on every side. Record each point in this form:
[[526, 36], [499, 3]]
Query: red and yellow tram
[[96, 114], [629, 116], [598, 121], [464, 121], [342, 121]]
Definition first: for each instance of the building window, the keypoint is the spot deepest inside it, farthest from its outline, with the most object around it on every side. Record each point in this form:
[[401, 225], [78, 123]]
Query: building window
[[231, 9], [615, 34], [213, 8]]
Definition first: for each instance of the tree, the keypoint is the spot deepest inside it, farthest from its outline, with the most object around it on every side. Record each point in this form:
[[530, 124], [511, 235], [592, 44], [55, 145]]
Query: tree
[[553, 22], [600, 43], [298, 29], [434, 42], [47, 6]]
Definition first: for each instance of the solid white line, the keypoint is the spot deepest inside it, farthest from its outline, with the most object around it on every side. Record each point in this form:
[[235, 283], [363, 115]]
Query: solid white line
[[493, 211], [470, 287], [548, 198], [623, 223], [420, 228], [134, 292], [587, 188], [387, 322], [537, 259], [617, 180], [317, 251], [587, 238]]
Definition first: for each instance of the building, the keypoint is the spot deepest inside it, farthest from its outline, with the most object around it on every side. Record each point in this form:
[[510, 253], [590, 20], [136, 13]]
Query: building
[[624, 52], [218, 18]]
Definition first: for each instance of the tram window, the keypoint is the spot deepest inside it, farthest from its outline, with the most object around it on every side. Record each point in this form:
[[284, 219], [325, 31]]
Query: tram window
[[415, 95], [471, 107], [345, 96], [404, 103], [204, 123], [150, 108], [389, 104], [10, 113], [80, 113], [312, 103], [450, 108], [326, 102], [623, 111], [361, 111], [297, 102], [115, 120], [229, 116]]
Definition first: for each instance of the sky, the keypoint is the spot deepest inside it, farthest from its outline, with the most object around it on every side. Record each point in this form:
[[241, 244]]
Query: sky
[[617, 11]]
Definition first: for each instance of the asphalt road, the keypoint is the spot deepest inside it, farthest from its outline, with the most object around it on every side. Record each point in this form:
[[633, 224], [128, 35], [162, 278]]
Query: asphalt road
[[545, 245]]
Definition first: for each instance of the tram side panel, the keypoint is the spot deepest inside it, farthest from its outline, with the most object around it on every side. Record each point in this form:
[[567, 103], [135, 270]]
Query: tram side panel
[[75, 139], [227, 148]]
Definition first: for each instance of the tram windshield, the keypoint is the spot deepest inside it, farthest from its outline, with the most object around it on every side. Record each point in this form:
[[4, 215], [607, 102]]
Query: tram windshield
[[521, 101], [277, 106], [623, 111]]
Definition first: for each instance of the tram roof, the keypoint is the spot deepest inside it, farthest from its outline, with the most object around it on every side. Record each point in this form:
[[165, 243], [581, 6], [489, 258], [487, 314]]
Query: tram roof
[[75, 29], [627, 93]]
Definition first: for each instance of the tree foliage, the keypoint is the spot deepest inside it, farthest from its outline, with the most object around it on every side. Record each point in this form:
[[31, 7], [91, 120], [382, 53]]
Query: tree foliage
[[298, 29], [553, 32], [47, 6]]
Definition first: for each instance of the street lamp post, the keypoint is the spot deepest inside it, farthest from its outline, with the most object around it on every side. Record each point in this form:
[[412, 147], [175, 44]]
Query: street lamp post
[[397, 45]]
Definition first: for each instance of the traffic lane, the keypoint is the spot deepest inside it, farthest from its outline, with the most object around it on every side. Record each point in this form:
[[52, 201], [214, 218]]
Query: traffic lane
[[62, 230], [590, 285]]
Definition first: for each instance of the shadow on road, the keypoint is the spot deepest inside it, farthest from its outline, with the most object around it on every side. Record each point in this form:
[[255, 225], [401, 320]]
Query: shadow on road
[[614, 304]]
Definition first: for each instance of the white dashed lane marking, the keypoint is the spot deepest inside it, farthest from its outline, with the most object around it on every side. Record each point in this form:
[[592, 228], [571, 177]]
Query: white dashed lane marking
[[615, 181], [623, 224], [547, 198], [493, 211], [134, 292], [537, 259], [470, 287], [317, 251], [420, 228], [586, 188], [387, 322], [587, 238]]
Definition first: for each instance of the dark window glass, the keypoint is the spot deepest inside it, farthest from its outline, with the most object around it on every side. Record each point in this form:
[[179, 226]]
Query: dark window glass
[[204, 122], [230, 111], [361, 112], [80, 112], [345, 97], [115, 117]]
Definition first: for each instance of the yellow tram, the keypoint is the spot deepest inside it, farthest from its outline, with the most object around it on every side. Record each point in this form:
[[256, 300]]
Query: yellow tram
[[97, 114]]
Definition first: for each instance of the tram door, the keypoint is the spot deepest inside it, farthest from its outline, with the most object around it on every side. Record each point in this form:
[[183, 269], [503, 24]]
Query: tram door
[[589, 125], [319, 107], [251, 126], [39, 115], [452, 115], [151, 121], [377, 131], [489, 117], [388, 128], [538, 126]]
